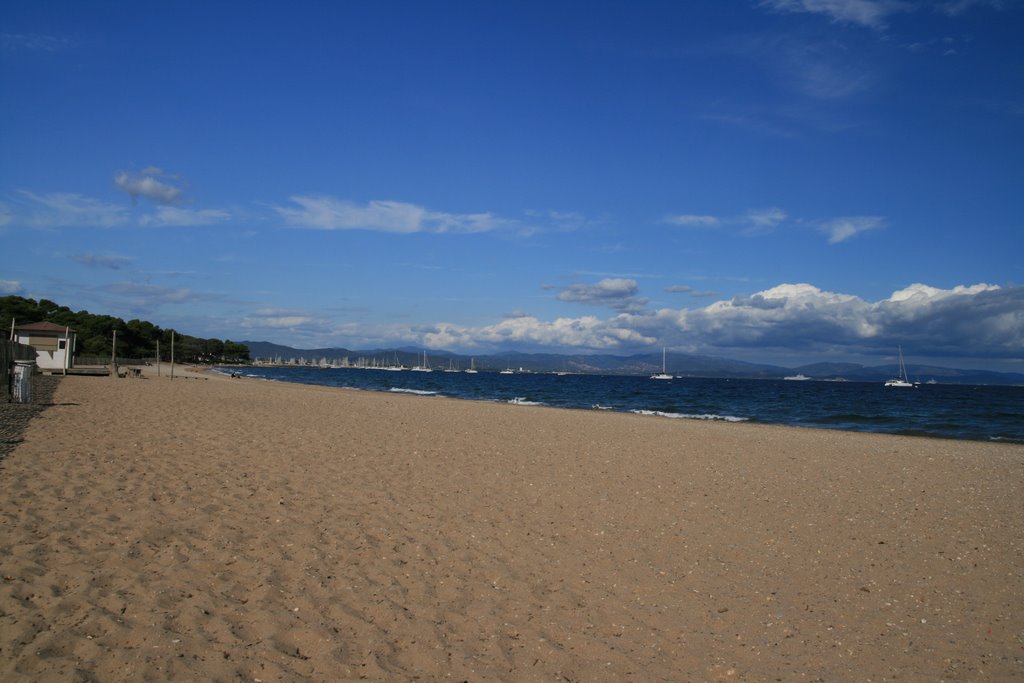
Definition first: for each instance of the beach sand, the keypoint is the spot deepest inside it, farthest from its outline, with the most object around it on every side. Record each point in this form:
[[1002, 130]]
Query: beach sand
[[226, 529]]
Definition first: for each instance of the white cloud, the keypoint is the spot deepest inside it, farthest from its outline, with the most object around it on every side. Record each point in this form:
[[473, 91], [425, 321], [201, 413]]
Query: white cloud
[[687, 289], [173, 216], [150, 183], [873, 13], [141, 295], [282, 321], [842, 229], [760, 221], [102, 261], [921, 294], [692, 221], [565, 221], [586, 332], [67, 210], [328, 213], [34, 42], [979, 320], [763, 221], [615, 293], [273, 321], [8, 287], [957, 7], [814, 75], [869, 13], [6, 215]]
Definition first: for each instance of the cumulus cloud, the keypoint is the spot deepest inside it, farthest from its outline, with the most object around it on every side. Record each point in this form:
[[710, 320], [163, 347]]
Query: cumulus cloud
[[151, 183], [842, 229], [102, 261], [979, 319], [982, 320], [615, 293], [173, 216], [588, 332], [9, 287], [328, 213], [68, 210]]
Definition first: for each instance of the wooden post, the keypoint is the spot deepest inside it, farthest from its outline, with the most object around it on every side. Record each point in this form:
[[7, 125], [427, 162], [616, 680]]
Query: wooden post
[[67, 348], [172, 354], [113, 354], [157, 357]]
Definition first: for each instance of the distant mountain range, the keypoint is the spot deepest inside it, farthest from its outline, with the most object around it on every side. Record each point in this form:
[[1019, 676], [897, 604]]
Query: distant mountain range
[[688, 365]]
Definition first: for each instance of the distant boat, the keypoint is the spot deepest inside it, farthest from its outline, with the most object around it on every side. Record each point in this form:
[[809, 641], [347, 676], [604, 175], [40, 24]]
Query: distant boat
[[798, 378], [451, 366], [471, 370], [662, 374], [423, 368], [507, 371], [902, 380]]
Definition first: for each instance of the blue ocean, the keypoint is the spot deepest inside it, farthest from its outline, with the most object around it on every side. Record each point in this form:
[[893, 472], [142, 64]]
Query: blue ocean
[[981, 413]]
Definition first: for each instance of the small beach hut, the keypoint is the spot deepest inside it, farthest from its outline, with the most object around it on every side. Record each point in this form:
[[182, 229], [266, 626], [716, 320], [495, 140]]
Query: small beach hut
[[54, 344]]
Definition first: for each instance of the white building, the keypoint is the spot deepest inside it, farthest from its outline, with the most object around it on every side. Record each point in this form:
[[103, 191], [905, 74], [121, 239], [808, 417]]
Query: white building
[[54, 344]]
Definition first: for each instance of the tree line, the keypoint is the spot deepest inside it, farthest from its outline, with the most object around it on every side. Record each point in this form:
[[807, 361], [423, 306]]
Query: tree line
[[135, 338]]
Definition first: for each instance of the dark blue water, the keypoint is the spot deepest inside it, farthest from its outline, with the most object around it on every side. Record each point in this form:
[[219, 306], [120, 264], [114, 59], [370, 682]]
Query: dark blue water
[[982, 413]]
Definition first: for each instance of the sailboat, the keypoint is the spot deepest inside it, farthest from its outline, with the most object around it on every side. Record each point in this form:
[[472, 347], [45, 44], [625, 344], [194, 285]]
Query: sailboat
[[423, 368], [902, 380], [662, 374], [472, 368]]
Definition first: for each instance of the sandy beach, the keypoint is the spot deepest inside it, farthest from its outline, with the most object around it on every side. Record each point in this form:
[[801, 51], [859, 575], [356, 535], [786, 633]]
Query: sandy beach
[[210, 528]]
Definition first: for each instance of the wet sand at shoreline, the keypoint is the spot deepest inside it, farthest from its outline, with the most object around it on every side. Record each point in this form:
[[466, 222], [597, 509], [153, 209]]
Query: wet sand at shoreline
[[210, 528]]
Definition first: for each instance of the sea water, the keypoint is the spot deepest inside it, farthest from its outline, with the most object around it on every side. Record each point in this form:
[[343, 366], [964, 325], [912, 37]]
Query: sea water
[[982, 413]]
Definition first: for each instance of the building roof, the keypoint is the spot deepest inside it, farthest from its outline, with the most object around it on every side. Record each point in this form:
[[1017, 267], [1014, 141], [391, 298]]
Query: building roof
[[41, 327]]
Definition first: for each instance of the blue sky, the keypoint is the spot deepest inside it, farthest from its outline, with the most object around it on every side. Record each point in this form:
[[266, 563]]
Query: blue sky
[[779, 180]]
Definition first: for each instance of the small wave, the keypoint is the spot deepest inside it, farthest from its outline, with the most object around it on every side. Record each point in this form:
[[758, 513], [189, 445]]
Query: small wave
[[853, 419], [522, 401], [598, 406], [417, 392], [1005, 439], [684, 416]]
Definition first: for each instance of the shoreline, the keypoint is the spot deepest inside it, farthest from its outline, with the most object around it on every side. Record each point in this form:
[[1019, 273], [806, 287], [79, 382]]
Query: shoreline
[[921, 429], [220, 529]]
